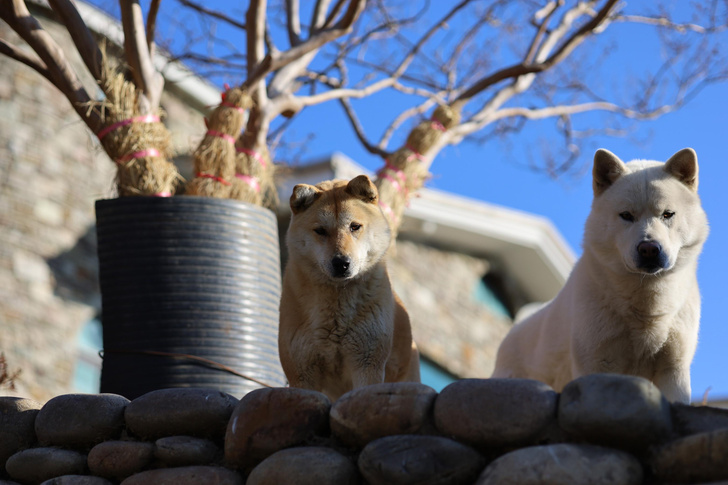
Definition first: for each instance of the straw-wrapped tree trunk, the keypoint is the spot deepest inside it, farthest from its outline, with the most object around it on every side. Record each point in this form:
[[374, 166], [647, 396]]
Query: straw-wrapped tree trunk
[[271, 79], [126, 119]]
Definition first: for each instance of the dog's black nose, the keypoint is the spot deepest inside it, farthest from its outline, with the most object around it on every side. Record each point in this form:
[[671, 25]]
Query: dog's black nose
[[340, 264], [651, 258], [649, 249]]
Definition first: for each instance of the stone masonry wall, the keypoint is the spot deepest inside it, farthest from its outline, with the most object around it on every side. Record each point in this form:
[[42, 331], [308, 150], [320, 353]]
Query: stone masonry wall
[[602, 429], [449, 325], [52, 170]]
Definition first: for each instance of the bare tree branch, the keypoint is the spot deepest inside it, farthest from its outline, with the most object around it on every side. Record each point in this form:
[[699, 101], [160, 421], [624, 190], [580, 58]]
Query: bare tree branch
[[524, 68], [81, 35], [523, 74], [19, 55], [294, 22], [17, 16], [359, 130], [562, 110], [152, 25], [318, 17], [146, 78], [314, 42], [334, 12], [402, 117], [665, 22], [212, 13], [544, 15]]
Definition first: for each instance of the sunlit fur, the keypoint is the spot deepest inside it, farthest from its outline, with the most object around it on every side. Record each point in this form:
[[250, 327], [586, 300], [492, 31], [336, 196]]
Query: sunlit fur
[[340, 330], [616, 313]]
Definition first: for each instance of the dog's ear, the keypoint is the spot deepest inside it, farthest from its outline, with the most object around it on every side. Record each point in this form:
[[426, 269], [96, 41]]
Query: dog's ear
[[303, 196], [363, 188], [607, 169], [684, 166]]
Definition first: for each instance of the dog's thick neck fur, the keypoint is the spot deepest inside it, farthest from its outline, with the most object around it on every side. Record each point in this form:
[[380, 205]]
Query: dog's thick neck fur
[[644, 294], [337, 306]]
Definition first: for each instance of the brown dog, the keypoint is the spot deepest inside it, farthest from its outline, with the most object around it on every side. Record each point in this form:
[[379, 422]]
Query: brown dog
[[341, 325]]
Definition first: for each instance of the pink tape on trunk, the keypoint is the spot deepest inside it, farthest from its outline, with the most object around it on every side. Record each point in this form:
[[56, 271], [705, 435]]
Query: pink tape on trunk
[[252, 181], [417, 154], [395, 183], [213, 177], [437, 125], [137, 119], [232, 106], [253, 154], [400, 185], [388, 211], [219, 134], [149, 152]]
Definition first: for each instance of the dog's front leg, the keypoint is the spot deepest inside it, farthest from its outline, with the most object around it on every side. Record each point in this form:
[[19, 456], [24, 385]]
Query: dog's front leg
[[674, 384], [367, 375]]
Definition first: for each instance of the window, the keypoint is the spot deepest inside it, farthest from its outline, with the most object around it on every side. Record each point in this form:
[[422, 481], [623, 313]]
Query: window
[[87, 372], [490, 291], [434, 376]]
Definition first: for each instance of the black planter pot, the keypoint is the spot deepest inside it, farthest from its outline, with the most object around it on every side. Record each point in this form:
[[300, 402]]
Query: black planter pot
[[190, 289]]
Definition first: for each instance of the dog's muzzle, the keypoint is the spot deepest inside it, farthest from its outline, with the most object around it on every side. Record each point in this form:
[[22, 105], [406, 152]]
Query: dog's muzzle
[[650, 257], [340, 266]]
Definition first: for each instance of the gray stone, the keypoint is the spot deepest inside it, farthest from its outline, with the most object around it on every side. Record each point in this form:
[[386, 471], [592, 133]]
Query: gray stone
[[36, 465], [120, 459], [190, 475], [8, 482], [494, 413], [202, 413], [563, 464], [698, 458], [615, 410], [371, 412], [76, 480], [80, 420], [268, 420], [689, 420], [185, 451], [422, 460], [17, 425], [305, 466]]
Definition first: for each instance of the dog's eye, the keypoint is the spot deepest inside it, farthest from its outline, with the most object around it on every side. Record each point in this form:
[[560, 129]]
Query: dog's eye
[[668, 214], [627, 216], [320, 231], [354, 226]]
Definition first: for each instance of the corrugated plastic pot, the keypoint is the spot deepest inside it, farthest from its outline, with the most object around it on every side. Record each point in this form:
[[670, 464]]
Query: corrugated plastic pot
[[190, 289]]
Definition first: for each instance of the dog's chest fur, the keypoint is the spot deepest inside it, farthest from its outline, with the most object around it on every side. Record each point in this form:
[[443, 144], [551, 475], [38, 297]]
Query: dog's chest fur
[[352, 315], [636, 334]]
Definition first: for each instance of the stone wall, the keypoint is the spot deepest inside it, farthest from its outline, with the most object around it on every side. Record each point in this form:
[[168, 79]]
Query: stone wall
[[602, 429], [449, 324], [52, 169]]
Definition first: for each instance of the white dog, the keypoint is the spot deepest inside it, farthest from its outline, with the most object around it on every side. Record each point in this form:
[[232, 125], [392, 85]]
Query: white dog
[[631, 304]]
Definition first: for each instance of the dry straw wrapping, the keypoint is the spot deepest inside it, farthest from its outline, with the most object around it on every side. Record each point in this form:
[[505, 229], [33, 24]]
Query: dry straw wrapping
[[404, 173], [138, 142], [214, 158], [254, 175]]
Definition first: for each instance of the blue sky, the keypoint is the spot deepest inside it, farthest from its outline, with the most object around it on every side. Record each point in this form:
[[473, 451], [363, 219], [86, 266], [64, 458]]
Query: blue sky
[[498, 173]]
